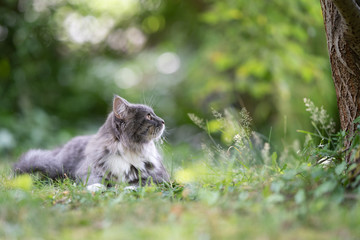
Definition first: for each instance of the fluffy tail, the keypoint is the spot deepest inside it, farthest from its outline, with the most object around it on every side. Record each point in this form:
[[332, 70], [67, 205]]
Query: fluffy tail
[[42, 161]]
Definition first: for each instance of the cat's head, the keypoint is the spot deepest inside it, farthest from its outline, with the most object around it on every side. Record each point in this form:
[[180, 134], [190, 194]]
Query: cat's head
[[136, 122]]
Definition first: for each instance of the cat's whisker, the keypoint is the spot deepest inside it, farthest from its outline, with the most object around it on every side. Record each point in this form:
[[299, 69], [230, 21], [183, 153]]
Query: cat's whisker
[[150, 101], [163, 138]]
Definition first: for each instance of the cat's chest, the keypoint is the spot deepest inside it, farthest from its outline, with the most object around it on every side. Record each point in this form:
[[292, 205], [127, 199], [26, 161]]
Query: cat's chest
[[125, 166]]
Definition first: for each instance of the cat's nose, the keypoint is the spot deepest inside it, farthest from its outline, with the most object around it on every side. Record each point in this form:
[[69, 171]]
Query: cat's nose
[[163, 122]]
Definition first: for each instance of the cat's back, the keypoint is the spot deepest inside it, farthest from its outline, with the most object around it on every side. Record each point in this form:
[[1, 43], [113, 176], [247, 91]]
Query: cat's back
[[74, 150], [76, 144], [71, 154]]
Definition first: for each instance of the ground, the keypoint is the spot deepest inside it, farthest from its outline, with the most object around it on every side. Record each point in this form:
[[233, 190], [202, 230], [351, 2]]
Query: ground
[[236, 202]]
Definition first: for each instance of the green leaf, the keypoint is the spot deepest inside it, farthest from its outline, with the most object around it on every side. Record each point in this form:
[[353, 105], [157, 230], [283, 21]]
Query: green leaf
[[300, 196], [275, 198], [340, 168], [277, 186], [325, 188], [23, 182], [273, 159], [214, 126], [357, 120], [283, 167], [290, 174]]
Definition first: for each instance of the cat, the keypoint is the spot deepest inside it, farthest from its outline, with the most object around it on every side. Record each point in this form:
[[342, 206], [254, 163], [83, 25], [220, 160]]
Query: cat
[[123, 150]]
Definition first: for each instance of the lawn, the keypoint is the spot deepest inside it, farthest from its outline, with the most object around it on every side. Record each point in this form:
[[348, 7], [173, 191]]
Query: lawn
[[246, 189], [212, 197]]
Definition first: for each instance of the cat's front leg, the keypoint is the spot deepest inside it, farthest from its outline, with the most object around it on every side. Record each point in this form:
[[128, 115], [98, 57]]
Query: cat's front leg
[[93, 182], [96, 187]]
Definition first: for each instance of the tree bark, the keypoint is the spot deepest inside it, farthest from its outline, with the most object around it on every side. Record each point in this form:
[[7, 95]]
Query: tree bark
[[342, 25]]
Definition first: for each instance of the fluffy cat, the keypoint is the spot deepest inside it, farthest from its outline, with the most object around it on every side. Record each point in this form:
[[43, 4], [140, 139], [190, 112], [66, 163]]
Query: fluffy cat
[[123, 150]]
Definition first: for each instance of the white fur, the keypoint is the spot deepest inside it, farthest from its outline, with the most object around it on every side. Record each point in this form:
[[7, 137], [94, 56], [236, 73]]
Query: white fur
[[120, 164], [130, 188], [96, 187]]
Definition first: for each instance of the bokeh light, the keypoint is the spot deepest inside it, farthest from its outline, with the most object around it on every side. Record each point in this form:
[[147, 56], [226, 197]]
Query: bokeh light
[[168, 63], [83, 29], [126, 78]]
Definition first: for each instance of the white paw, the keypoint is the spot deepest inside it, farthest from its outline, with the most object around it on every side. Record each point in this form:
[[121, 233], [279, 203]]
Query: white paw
[[96, 187], [131, 188]]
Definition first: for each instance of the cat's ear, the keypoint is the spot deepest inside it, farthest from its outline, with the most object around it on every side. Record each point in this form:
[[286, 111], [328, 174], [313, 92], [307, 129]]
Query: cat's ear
[[120, 107]]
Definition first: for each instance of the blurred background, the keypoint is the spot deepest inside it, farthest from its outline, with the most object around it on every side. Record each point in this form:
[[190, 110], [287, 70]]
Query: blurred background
[[62, 61]]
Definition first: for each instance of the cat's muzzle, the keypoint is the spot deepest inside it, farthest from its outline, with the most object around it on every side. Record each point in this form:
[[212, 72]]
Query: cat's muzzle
[[156, 132]]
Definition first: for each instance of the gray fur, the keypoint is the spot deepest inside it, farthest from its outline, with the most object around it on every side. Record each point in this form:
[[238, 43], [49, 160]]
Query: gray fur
[[123, 150]]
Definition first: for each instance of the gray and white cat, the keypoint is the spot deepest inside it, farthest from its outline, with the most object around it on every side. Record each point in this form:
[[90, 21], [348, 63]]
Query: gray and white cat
[[123, 150]]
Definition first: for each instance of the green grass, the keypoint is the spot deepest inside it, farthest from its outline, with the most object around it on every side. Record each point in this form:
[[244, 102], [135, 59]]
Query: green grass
[[215, 201], [246, 190]]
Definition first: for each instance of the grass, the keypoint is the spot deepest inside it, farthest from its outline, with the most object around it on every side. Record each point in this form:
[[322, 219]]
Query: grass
[[213, 202], [246, 190]]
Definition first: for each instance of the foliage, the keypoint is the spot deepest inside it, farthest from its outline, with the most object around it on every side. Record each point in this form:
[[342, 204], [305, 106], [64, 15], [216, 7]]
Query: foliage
[[62, 61]]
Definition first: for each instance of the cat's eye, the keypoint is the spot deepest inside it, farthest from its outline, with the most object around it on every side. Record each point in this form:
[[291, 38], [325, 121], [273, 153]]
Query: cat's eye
[[148, 117]]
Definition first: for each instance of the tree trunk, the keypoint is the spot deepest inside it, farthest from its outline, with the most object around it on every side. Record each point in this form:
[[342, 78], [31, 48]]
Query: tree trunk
[[342, 25]]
